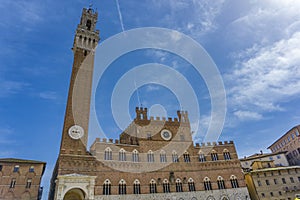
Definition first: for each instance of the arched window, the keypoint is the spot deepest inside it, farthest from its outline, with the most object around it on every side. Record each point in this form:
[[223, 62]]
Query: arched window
[[226, 154], [178, 185], [88, 24], [150, 156], [136, 187], [166, 186], [221, 183], [108, 154], [186, 157], [175, 156], [107, 187], [152, 186], [163, 157], [122, 155], [207, 184], [234, 182], [201, 156], [191, 184], [122, 187], [135, 156], [214, 156]]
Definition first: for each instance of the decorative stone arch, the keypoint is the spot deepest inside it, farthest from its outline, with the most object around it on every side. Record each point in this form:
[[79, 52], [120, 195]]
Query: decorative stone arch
[[136, 181], [224, 197], [75, 194], [210, 198], [75, 185], [165, 181]]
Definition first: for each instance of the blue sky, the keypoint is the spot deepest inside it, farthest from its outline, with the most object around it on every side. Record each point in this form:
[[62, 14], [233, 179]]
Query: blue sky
[[254, 44]]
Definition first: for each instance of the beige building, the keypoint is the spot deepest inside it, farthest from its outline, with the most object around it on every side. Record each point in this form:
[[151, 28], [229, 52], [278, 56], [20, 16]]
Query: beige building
[[21, 179], [279, 159], [267, 182], [154, 158], [289, 142]]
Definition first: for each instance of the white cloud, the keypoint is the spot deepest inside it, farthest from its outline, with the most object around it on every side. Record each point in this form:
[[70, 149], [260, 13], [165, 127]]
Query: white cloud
[[265, 22], [48, 95], [8, 87], [266, 76], [247, 115]]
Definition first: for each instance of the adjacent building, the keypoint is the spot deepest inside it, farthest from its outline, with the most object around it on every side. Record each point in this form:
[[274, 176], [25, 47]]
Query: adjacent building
[[289, 142], [20, 179], [154, 158], [268, 182], [279, 159]]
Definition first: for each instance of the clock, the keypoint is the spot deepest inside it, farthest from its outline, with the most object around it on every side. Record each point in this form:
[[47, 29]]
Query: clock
[[166, 134], [76, 132]]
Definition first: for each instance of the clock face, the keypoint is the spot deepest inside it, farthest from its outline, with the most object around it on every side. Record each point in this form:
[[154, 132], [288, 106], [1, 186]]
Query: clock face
[[166, 134], [76, 132]]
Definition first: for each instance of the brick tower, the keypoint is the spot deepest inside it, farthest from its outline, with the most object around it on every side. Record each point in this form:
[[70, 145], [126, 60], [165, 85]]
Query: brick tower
[[75, 130]]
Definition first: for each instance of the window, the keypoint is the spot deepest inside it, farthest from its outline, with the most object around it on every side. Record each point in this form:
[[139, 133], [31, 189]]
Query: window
[[88, 24], [234, 181], [263, 194], [16, 168], [214, 156], [191, 185], [280, 193], [178, 185], [275, 181], [152, 186], [135, 156], [297, 132], [293, 137], [279, 173], [1, 167], [108, 154], [289, 138], [265, 173], [149, 137], [150, 156], [122, 187], [28, 183], [278, 157], [163, 157], [106, 187], [186, 157], [136, 187], [174, 156], [267, 182], [226, 154], [283, 181], [299, 178], [258, 183], [31, 169], [221, 184], [181, 137], [298, 150], [166, 186], [207, 184], [292, 180], [122, 155], [201, 157], [12, 183]]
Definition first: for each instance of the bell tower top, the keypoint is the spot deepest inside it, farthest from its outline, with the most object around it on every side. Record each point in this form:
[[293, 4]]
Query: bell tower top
[[88, 19], [86, 36]]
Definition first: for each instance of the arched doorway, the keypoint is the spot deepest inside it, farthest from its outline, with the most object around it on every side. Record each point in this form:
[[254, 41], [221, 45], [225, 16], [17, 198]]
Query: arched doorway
[[74, 194]]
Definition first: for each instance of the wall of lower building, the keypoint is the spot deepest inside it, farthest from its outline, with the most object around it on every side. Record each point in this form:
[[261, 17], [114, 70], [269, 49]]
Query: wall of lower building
[[269, 184], [232, 194], [21, 176]]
